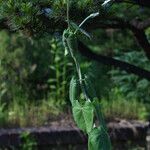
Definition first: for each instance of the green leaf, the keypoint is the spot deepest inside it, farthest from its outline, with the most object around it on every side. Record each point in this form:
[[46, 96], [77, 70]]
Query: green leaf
[[99, 139], [83, 115], [74, 90]]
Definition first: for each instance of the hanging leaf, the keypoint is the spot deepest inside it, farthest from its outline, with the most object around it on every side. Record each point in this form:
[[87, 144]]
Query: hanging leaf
[[83, 115], [74, 90], [99, 139]]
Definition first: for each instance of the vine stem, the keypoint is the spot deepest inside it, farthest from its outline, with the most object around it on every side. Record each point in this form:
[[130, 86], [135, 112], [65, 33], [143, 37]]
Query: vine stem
[[78, 69], [74, 58], [80, 79], [93, 15]]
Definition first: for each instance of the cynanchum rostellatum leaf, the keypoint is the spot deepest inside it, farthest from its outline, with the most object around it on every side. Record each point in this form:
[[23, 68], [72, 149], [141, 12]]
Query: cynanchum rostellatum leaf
[[83, 115], [74, 90], [99, 139]]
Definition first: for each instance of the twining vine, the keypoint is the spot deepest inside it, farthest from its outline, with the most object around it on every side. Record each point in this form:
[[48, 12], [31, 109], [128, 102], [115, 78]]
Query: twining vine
[[84, 109]]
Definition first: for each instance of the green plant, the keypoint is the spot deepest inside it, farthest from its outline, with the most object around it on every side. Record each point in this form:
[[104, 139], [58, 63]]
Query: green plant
[[23, 69], [25, 113], [28, 141], [118, 107], [130, 85], [60, 73], [86, 107]]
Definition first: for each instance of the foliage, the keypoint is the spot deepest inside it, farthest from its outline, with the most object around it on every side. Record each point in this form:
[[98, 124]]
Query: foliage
[[28, 141], [130, 85], [120, 107], [23, 113], [60, 70], [110, 41], [98, 139], [37, 16], [99, 73], [83, 115], [23, 65], [30, 16], [33, 69]]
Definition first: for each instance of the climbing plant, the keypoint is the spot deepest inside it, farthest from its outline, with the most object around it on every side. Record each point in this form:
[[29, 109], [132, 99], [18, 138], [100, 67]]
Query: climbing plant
[[85, 104]]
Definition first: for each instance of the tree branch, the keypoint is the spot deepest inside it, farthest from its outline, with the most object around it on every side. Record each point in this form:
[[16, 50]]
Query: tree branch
[[85, 51], [135, 25], [142, 40]]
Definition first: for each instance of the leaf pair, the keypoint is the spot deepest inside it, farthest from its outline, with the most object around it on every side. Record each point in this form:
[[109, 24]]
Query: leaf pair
[[83, 114], [98, 139]]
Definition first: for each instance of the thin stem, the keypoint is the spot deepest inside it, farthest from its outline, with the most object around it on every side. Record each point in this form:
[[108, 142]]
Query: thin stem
[[78, 70], [80, 78], [106, 2], [87, 18]]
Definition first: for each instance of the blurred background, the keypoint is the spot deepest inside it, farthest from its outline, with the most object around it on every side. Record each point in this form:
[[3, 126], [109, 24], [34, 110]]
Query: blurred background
[[35, 74]]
